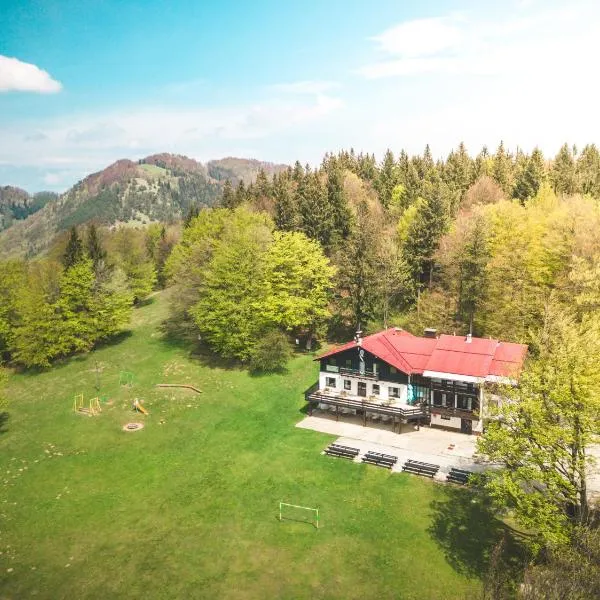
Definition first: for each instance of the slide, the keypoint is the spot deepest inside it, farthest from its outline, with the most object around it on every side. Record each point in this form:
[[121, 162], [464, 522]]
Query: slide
[[139, 407]]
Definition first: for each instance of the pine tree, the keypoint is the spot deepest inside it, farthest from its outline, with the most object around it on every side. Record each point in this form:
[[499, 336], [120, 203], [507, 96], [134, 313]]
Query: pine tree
[[424, 232], [387, 179], [228, 197], [472, 268], [241, 194], [74, 250], [358, 268], [286, 211], [314, 212], [502, 169], [95, 251], [341, 217], [563, 175], [529, 177], [588, 171]]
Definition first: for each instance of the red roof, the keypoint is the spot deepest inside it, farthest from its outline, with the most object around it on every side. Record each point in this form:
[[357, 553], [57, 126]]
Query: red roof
[[448, 354]]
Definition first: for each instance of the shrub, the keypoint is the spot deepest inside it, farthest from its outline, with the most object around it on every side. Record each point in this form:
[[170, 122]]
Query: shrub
[[271, 353]]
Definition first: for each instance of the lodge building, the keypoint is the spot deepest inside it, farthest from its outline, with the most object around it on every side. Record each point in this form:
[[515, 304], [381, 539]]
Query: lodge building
[[397, 377]]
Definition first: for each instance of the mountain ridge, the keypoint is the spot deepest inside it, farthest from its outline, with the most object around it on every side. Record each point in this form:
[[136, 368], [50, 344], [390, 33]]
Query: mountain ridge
[[159, 187]]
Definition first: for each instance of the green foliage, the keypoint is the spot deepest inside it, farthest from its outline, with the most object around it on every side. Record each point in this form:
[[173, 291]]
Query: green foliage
[[271, 353], [228, 199], [563, 174], [130, 252], [227, 312], [95, 251], [74, 250], [529, 176], [236, 279], [543, 432]]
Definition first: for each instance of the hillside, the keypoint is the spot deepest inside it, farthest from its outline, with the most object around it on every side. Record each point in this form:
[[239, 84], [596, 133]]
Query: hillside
[[161, 187], [16, 204]]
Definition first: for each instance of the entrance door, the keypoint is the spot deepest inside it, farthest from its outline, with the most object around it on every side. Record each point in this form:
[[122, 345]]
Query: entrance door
[[466, 426], [362, 389]]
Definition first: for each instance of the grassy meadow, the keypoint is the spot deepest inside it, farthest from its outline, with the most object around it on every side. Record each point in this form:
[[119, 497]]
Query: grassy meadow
[[187, 507]]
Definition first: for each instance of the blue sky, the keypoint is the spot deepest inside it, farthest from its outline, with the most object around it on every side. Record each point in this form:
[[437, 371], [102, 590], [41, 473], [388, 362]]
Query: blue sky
[[85, 83]]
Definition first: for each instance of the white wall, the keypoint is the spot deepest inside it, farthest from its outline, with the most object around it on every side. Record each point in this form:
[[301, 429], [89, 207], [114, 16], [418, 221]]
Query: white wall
[[383, 386]]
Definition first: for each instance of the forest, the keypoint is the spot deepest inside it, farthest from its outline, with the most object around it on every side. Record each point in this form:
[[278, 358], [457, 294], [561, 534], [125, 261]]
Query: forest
[[462, 244]]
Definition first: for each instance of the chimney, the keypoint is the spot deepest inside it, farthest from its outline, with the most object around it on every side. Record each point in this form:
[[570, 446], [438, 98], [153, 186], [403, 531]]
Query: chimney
[[469, 338], [430, 332]]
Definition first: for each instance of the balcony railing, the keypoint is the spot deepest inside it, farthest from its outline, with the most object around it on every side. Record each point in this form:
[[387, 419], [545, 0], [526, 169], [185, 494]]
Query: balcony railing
[[407, 412], [450, 411], [358, 373]]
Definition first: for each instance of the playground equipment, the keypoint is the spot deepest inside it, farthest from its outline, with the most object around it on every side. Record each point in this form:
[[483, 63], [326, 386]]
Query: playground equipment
[[303, 514], [92, 409], [137, 405], [179, 385], [126, 378]]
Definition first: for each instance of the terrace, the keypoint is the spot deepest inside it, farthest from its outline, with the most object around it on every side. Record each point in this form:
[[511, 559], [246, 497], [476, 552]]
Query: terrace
[[370, 409]]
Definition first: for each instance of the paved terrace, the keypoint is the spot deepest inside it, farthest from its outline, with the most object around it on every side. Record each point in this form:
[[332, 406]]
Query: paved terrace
[[444, 448]]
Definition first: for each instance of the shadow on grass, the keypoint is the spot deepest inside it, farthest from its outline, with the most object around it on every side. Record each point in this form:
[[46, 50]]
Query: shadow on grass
[[474, 540], [3, 422]]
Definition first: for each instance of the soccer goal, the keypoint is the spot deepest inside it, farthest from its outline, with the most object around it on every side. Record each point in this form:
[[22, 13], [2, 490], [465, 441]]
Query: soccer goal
[[302, 514]]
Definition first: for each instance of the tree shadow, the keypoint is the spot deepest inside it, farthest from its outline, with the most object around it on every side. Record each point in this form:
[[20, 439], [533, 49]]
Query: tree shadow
[[4, 416], [467, 529]]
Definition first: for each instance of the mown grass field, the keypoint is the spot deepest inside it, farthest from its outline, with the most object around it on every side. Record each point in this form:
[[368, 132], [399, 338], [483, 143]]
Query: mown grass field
[[188, 508]]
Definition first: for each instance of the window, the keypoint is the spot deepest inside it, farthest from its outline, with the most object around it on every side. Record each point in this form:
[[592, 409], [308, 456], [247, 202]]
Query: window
[[463, 402], [332, 361], [348, 363], [347, 384], [439, 398], [330, 382], [375, 390], [362, 388], [393, 392], [374, 368], [393, 370]]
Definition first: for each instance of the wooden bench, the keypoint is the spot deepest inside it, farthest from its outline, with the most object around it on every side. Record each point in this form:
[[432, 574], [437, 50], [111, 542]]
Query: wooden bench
[[458, 476], [342, 451], [420, 468], [380, 460]]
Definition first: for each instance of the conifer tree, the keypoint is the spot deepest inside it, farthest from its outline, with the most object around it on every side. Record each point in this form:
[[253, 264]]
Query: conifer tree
[[341, 217], [502, 169], [228, 199], [241, 194], [74, 250], [95, 251], [387, 179], [530, 175], [313, 209], [588, 171], [563, 174], [286, 211]]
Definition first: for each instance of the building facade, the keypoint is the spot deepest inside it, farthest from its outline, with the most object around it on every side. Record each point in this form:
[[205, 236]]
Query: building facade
[[444, 376]]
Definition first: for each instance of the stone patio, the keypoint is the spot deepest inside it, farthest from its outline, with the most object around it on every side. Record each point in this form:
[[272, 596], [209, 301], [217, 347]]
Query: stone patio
[[444, 448]]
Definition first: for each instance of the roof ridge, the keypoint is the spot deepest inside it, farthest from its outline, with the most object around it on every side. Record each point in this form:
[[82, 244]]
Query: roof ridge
[[395, 352]]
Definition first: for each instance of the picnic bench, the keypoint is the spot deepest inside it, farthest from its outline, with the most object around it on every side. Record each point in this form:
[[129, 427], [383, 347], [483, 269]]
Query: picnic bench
[[420, 468], [342, 451], [380, 460], [458, 476]]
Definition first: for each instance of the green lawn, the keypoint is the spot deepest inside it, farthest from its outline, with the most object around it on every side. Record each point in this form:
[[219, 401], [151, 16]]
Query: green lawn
[[187, 508]]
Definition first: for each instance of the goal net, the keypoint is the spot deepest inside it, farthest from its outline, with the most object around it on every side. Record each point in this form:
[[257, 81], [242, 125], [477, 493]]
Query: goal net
[[302, 514]]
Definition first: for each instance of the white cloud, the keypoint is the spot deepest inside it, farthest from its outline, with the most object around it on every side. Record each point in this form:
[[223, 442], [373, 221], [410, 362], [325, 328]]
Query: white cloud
[[19, 76], [421, 37], [91, 141], [516, 42]]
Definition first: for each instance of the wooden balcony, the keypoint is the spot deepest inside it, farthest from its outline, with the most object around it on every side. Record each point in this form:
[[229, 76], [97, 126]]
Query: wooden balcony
[[357, 373], [461, 413], [403, 413]]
